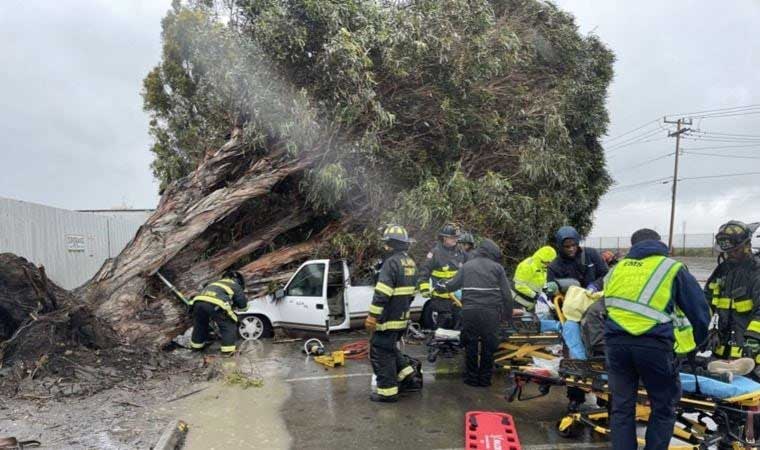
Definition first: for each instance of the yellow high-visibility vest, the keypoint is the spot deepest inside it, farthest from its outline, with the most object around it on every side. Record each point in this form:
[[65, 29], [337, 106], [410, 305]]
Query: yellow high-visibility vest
[[637, 292]]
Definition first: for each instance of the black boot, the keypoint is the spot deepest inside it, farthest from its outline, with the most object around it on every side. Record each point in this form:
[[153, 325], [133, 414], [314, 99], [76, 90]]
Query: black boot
[[375, 397]]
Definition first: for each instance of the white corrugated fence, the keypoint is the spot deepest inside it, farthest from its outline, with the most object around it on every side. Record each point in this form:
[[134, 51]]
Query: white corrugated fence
[[71, 245]]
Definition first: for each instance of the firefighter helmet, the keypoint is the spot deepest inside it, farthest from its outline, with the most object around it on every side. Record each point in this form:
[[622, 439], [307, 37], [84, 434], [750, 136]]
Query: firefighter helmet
[[732, 235], [449, 230], [237, 276], [396, 233], [466, 238]]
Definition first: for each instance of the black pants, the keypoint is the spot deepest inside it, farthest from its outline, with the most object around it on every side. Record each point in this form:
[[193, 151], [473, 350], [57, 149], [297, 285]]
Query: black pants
[[391, 367], [444, 309], [480, 336], [659, 371], [203, 314]]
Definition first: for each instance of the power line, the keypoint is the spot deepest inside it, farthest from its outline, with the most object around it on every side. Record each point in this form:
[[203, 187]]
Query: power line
[[728, 134], [719, 155], [725, 175], [717, 110], [737, 114], [644, 163], [631, 131], [723, 146], [637, 142], [634, 139], [662, 180]]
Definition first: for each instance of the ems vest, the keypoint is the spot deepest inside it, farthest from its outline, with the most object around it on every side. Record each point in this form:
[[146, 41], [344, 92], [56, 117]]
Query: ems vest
[[219, 293], [637, 293]]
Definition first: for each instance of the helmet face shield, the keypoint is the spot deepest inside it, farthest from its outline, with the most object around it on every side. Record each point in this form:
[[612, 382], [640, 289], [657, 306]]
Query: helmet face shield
[[732, 235]]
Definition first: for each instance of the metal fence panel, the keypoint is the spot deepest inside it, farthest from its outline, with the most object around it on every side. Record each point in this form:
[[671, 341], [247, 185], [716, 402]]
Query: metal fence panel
[[71, 245], [697, 244]]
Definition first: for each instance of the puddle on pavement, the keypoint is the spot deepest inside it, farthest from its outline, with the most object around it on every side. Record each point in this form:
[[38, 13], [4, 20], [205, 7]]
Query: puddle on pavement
[[229, 416], [224, 416]]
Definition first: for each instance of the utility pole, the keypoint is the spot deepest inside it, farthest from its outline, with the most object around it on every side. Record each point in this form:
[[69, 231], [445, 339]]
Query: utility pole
[[679, 131]]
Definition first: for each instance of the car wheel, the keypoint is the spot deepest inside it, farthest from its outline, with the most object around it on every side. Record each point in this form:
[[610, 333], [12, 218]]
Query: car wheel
[[254, 327]]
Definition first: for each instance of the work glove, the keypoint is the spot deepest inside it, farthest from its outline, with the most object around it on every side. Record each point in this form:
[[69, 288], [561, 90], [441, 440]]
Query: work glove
[[551, 288], [751, 347], [370, 323], [542, 308]]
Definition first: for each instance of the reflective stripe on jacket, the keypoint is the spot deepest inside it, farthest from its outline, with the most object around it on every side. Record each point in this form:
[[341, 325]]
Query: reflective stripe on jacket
[[637, 294]]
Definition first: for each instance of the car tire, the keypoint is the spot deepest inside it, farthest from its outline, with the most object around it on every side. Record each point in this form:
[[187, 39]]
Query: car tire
[[254, 327]]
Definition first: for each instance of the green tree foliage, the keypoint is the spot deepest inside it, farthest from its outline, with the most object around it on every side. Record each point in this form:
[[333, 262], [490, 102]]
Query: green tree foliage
[[484, 112]]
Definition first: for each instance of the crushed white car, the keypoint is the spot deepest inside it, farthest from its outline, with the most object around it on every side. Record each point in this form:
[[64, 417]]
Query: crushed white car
[[319, 297]]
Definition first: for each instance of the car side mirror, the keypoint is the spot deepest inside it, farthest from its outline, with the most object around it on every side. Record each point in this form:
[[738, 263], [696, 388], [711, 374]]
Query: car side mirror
[[279, 294]]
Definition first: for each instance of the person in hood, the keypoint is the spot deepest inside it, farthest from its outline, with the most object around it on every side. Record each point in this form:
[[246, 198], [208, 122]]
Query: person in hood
[[486, 300], [648, 298], [580, 263], [584, 265], [530, 277]]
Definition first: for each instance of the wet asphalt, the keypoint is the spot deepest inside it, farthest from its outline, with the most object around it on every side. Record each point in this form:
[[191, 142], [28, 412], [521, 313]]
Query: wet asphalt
[[330, 408]]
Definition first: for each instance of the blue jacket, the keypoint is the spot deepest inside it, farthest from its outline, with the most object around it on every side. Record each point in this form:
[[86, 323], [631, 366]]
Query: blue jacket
[[687, 294]]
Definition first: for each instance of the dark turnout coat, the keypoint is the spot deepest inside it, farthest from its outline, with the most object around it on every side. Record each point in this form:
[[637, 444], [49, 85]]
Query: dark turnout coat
[[483, 281]]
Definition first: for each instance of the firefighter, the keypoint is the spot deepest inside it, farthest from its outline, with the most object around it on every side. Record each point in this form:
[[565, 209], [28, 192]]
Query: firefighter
[[733, 291], [530, 277], [655, 310], [216, 302], [441, 265], [486, 300], [466, 243], [389, 316]]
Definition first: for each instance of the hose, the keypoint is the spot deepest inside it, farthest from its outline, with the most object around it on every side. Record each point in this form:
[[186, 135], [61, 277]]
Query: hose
[[356, 350]]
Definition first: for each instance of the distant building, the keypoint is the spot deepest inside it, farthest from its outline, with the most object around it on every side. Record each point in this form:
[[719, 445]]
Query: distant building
[[72, 245]]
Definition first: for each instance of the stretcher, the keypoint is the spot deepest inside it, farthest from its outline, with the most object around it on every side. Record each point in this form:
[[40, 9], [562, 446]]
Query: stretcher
[[524, 340], [704, 418]]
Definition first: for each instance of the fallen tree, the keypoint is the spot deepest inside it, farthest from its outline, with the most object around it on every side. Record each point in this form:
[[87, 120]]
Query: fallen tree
[[285, 130]]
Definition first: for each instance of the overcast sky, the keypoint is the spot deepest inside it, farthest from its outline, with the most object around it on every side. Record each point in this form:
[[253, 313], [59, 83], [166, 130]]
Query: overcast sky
[[74, 134]]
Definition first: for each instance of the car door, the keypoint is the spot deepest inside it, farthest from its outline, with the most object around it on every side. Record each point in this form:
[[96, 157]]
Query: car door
[[304, 305]]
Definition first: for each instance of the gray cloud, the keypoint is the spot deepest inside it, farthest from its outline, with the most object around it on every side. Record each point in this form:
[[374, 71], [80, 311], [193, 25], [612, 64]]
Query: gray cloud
[[676, 57], [75, 136], [74, 133]]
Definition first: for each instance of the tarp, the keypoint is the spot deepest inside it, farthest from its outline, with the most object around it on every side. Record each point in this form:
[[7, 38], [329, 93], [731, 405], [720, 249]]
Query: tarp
[[718, 389], [576, 302]]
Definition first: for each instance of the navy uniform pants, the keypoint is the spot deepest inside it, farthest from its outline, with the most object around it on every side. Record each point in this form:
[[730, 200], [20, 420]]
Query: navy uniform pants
[[658, 370]]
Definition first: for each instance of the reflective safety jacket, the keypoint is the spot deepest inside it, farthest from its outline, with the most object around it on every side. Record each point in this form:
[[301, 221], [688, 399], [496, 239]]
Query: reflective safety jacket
[[638, 293], [225, 294], [733, 291], [441, 265], [394, 292], [530, 276]]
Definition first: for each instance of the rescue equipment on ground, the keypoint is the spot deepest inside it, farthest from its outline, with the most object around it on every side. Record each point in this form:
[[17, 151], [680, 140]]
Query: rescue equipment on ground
[[486, 430]]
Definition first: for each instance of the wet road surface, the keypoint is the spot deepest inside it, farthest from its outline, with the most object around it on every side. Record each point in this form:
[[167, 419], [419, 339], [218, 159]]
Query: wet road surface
[[305, 406]]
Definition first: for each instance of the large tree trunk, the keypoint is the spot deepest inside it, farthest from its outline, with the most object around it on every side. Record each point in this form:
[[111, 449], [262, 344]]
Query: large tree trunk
[[182, 240]]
